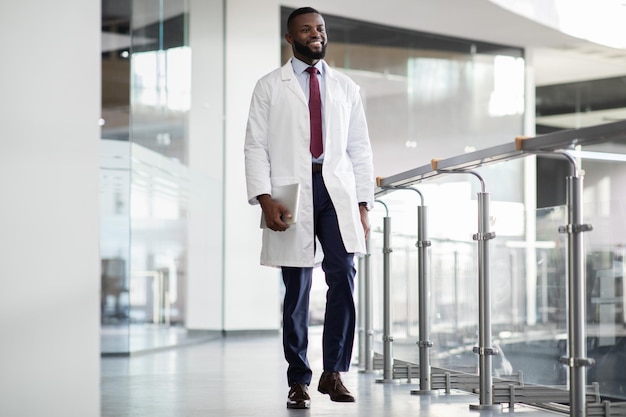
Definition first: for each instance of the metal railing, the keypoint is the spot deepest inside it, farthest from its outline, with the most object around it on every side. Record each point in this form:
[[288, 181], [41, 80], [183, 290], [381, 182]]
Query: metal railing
[[554, 144]]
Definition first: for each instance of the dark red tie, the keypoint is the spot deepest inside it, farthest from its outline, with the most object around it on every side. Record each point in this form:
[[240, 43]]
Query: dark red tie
[[315, 108]]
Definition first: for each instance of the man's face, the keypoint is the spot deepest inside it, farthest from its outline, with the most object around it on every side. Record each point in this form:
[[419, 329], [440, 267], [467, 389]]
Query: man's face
[[307, 36]]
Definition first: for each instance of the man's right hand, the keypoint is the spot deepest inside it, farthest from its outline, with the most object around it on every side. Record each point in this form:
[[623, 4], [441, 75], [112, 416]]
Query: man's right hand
[[274, 213]]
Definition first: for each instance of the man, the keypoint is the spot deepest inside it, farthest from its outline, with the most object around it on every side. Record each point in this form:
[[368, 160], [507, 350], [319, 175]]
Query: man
[[336, 190]]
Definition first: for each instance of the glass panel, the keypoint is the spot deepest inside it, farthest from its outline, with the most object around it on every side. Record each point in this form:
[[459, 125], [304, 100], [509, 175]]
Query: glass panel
[[156, 197], [605, 181], [529, 301], [114, 244], [453, 270], [580, 104], [160, 94], [115, 178]]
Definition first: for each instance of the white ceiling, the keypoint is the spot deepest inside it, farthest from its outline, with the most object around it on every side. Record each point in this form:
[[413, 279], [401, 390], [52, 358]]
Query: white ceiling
[[556, 57]]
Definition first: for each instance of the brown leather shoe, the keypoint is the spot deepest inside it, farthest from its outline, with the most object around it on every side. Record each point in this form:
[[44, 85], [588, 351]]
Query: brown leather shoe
[[330, 383], [298, 397]]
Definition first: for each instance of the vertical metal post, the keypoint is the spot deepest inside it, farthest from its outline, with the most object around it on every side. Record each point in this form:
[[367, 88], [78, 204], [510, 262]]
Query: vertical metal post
[[576, 296], [368, 359], [577, 338], [387, 336], [361, 311], [484, 349], [512, 290], [456, 292], [543, 283], [424, 342], [424, 306]]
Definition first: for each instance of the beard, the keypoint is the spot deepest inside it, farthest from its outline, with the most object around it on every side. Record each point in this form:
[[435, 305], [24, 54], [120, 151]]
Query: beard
[[307, 52]]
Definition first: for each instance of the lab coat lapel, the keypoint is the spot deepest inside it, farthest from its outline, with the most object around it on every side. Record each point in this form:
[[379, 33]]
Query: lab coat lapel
[[330, 101], [288, 76]]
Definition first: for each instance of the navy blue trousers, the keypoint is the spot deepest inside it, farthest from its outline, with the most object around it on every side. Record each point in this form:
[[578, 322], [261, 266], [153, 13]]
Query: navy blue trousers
[[340, 315]]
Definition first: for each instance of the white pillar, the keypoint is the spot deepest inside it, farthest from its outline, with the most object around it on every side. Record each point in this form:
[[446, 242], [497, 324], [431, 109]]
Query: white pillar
[[252, 292], [49, 257], [205, 268]]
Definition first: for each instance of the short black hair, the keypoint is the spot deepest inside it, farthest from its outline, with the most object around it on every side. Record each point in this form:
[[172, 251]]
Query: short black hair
[[298, 12]]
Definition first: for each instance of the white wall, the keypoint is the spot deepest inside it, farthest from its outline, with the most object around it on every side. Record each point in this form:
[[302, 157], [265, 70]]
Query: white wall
[[49, 261], [251, 293], [206, 148]]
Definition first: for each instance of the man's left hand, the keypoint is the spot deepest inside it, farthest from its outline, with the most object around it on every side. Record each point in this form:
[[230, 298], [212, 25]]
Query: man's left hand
[[365, 222]]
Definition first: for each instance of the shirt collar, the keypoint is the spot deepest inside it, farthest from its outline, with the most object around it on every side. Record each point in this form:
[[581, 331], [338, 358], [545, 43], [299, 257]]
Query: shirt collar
[[299, 66]]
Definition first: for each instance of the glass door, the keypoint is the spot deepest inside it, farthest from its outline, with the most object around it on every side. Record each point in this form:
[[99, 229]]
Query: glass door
[[145, 178]]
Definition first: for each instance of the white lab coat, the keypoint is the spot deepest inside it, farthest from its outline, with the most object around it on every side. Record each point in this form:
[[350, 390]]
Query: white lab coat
[[277, 152]]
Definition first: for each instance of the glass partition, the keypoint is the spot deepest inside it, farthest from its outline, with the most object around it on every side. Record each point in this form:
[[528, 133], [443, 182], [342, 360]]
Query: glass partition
[[605, 210], [529, 302], [115, 179], [148, 182], [160, 77]]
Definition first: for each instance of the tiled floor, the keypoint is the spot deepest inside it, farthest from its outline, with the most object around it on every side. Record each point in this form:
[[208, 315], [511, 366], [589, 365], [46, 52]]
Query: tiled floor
[[244, 375]]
